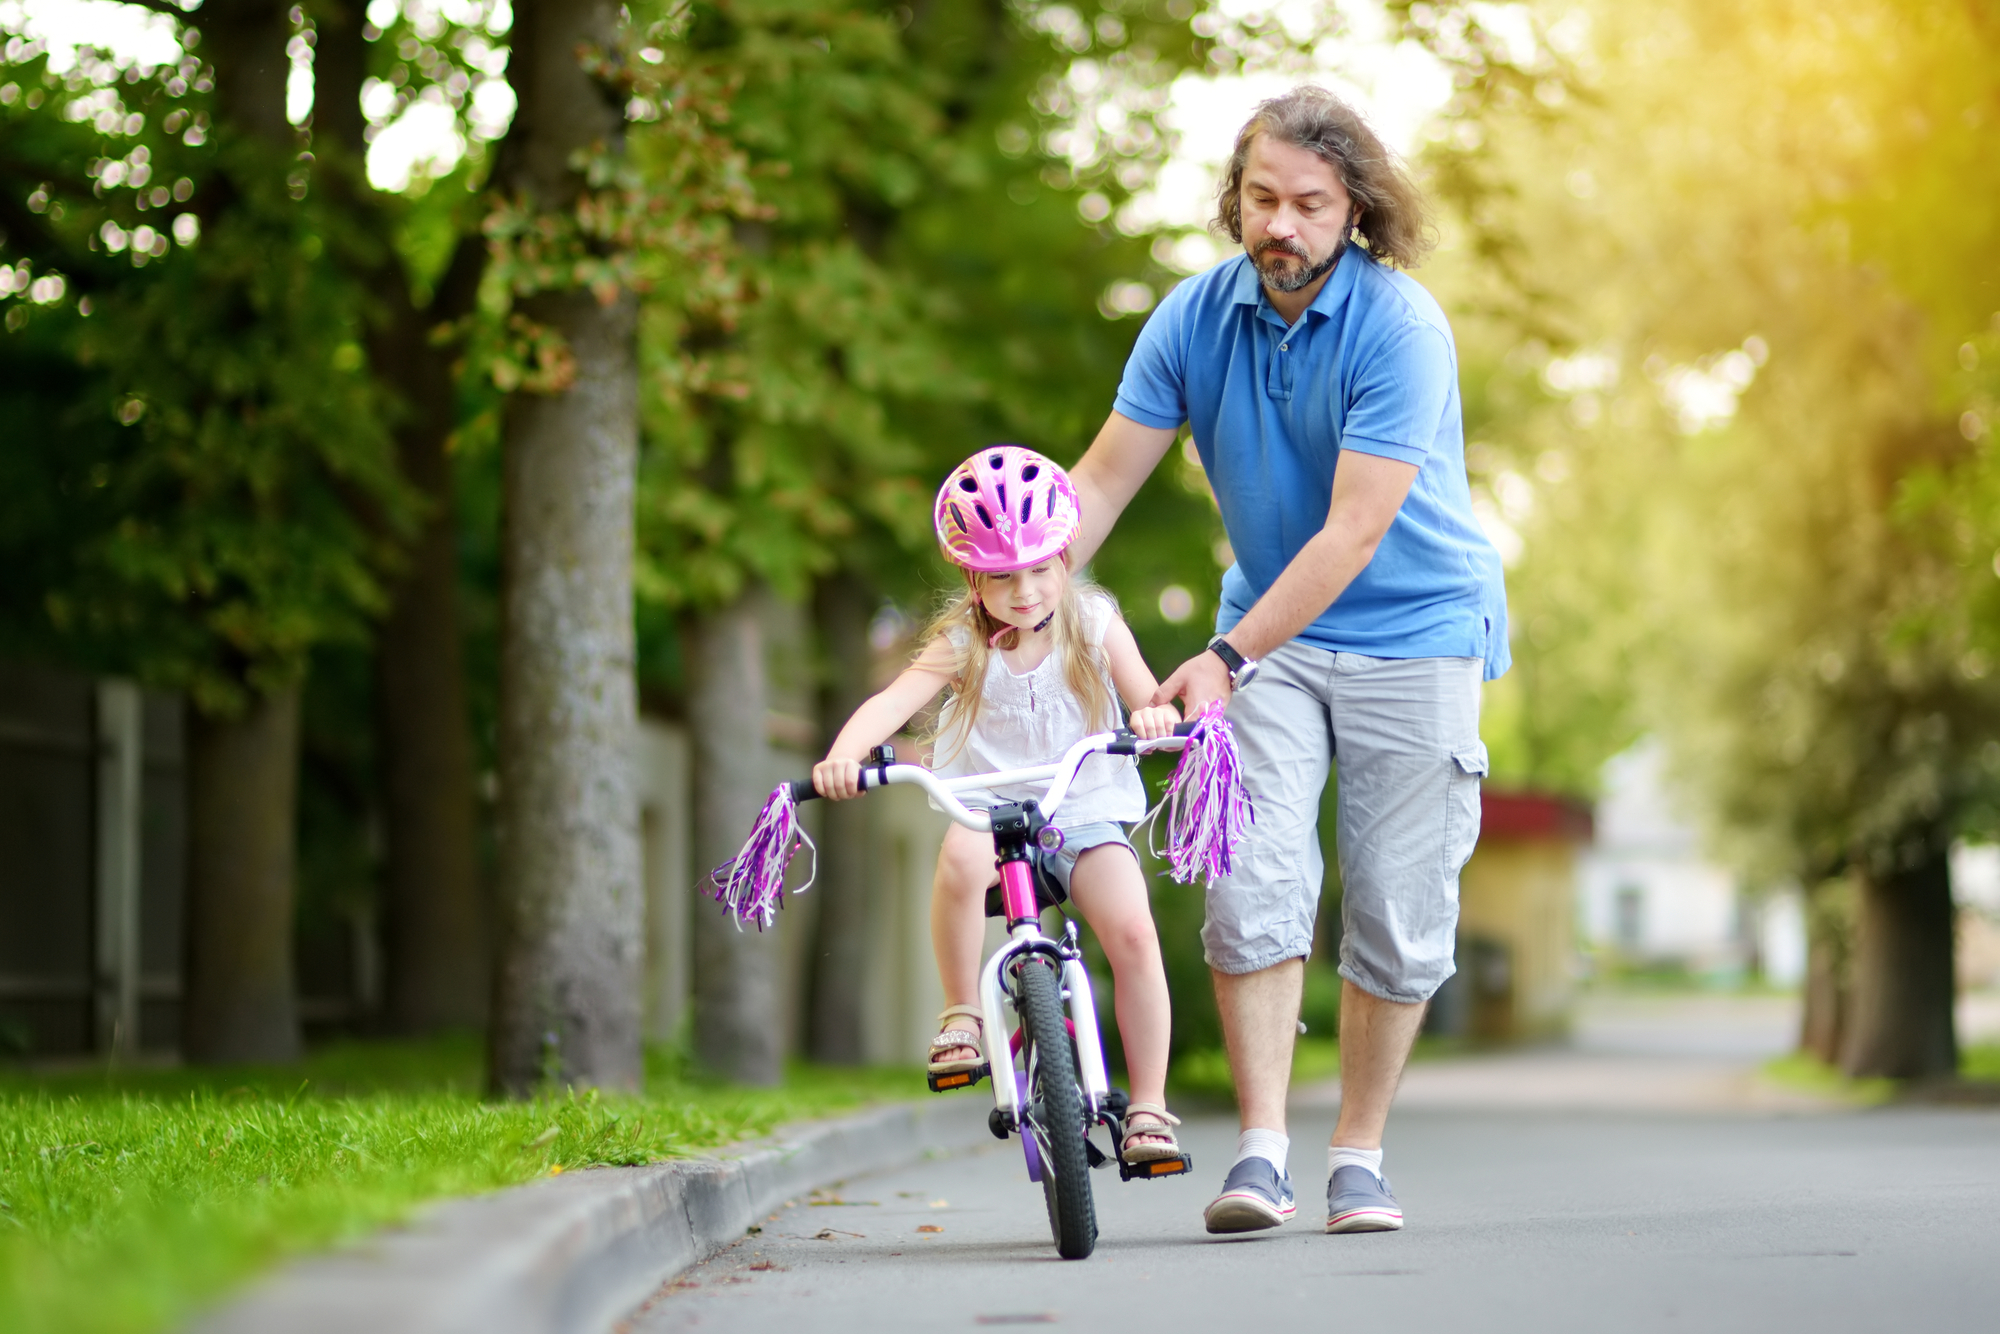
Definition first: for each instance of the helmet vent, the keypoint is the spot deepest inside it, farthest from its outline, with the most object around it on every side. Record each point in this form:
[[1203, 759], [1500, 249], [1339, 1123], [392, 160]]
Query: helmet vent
[[1001, 488], [1027, 507], [1031, 472], [995, 460], [967, 484], [984, 517], [1052, 502], [956, 518]]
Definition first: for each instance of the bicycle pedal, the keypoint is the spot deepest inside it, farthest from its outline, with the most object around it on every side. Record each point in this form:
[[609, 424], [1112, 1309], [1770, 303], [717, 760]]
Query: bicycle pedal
[[1095, 1156], [1158, 1167], [957, 1079]]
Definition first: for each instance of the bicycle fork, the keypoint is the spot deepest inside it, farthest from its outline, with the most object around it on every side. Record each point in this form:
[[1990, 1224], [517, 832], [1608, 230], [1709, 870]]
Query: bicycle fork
[[1080, 1006], [1022, 913]]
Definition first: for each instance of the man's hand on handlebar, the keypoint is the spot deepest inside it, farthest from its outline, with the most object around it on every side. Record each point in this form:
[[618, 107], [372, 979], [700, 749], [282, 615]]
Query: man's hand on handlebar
[[1197, 681], [1155, 721], [837, 780]]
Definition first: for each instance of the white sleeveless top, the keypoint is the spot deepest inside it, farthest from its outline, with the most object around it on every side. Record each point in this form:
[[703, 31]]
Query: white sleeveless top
[[1033, 719]]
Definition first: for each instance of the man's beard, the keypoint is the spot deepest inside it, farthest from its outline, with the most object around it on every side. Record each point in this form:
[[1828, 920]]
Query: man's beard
[[1305, 275]]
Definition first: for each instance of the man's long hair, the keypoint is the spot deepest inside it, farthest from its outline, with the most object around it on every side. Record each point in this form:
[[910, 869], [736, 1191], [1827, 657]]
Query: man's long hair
[[1394, 221]]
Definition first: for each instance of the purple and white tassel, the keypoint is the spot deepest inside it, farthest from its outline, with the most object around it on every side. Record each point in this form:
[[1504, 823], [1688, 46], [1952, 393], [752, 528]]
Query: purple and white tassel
[[751, 885], [1208, 809]]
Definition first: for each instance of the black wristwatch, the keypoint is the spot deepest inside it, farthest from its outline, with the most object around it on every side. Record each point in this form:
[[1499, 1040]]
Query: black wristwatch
[[1241, 669]]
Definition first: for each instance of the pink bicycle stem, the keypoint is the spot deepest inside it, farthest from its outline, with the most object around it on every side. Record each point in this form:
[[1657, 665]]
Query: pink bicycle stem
[[1017, 892]]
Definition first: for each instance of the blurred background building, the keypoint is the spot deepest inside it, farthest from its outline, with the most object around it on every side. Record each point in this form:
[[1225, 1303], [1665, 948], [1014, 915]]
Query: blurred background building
[[1650, 900]]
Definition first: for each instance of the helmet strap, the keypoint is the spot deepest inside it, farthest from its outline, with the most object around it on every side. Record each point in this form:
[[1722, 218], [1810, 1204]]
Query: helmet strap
[[993, 640]]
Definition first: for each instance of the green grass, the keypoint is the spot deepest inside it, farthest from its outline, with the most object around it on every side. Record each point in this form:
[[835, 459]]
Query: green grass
[[1808, 1074], [128, 1199], [1980, 1064], [1976, 1065], [1204, 1075]]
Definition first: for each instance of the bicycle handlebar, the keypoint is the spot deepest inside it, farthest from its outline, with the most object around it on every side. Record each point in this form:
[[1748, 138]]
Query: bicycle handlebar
[[1062, 774]]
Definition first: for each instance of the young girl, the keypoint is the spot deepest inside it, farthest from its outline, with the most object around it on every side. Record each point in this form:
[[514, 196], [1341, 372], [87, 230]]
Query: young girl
[[1032, 656]]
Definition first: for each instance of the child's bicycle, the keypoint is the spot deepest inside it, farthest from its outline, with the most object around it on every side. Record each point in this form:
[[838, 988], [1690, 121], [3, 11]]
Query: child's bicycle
[[1053, 1089]]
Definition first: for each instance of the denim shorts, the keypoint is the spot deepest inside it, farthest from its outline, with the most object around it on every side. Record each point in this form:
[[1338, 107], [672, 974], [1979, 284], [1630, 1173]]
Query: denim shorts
[[1405, 735], [1080, 839]]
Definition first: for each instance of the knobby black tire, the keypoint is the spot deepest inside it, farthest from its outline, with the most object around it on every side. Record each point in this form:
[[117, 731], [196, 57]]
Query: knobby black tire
[[1065, 1163]]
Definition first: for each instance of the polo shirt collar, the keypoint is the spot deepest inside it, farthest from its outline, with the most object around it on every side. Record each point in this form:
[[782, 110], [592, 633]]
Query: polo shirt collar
[[1249, 289], [1339, 283]]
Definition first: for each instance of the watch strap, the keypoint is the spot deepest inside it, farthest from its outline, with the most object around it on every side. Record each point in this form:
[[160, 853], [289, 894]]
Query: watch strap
[[1226, 651]]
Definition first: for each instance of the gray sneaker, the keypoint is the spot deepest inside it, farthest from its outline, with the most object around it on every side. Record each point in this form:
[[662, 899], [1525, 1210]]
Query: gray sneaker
[[1255, 1195], [1359, 1201]]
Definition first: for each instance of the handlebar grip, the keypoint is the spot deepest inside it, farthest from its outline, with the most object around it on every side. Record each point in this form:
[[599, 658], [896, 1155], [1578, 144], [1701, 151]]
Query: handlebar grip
[[803, 790], [1186, 729]]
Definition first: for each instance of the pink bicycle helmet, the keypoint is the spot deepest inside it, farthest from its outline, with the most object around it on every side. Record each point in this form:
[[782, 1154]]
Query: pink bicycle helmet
[[1005, 508]]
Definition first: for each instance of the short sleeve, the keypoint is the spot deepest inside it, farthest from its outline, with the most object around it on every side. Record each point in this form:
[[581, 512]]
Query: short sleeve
[[1099, 610], [1154, 390], [1397, 402]]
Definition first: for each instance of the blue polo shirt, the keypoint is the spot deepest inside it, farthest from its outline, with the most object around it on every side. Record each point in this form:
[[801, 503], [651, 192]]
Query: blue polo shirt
[[1371, 367]]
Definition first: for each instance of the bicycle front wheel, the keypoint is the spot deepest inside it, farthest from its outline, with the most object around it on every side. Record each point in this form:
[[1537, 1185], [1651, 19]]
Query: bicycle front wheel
[[1055, 1114]]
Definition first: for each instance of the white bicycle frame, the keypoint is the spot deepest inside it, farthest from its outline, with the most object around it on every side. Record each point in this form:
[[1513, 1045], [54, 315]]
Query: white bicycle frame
[[1026, 937]]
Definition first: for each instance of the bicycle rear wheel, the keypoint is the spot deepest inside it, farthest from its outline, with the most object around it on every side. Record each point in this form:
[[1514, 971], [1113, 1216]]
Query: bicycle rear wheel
[[1056, 1111]]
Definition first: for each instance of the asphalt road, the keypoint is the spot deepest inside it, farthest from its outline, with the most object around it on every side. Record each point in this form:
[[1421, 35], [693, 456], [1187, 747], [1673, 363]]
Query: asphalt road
[[1531, 1219]]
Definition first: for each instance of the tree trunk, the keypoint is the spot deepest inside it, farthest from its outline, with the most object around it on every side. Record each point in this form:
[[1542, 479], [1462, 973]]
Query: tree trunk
[[242, 808], [841, 607], [434, 912], [239, 1003], [1829, 948], [1901, 1025], [245, 40], [566, 1003], [738, 1031]]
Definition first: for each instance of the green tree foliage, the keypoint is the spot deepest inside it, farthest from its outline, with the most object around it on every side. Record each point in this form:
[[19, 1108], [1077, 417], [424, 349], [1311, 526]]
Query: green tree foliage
[[932, 272], [198, 484], [1722, 346]]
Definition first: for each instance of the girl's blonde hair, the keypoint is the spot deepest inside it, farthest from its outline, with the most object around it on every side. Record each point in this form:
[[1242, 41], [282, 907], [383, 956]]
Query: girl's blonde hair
[[1083, 663]]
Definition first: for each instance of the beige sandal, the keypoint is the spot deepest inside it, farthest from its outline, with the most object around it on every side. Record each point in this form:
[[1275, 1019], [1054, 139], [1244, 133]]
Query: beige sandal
[[958, 1037], [1161, 1127]]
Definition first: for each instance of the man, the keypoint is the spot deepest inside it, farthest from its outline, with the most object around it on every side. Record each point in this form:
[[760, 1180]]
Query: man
[[1321, 388]]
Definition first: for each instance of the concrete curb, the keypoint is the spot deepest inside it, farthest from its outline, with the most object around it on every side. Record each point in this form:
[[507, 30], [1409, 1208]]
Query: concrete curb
[[575, 1253]]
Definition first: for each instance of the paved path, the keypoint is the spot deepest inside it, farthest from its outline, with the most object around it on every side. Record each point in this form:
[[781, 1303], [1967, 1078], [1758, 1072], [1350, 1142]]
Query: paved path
[[1545, 1211], [1646, 1052]]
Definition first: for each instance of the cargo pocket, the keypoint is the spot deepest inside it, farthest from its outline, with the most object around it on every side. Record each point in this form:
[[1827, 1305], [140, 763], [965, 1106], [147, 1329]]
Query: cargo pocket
[[1461, 815]]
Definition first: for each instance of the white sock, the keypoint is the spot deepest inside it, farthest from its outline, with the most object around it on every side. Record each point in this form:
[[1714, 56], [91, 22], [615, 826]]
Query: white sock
[[1338, 1157], [1270, 1145]]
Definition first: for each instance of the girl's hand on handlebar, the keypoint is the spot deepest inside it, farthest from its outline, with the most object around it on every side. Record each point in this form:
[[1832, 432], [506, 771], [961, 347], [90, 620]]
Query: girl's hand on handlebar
[[837, 780], [1150, 724]]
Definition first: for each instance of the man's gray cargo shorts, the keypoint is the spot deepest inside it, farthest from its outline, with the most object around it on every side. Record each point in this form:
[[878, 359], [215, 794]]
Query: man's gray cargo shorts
[[1405, 734]]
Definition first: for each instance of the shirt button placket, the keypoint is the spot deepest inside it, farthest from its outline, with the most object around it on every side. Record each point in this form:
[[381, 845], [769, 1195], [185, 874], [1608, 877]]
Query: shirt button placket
[[1285, 364]]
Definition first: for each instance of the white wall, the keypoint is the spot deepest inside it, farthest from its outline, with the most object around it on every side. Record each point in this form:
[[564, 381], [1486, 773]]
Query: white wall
[[1646, 891], [902, 997], [1782, 937]]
